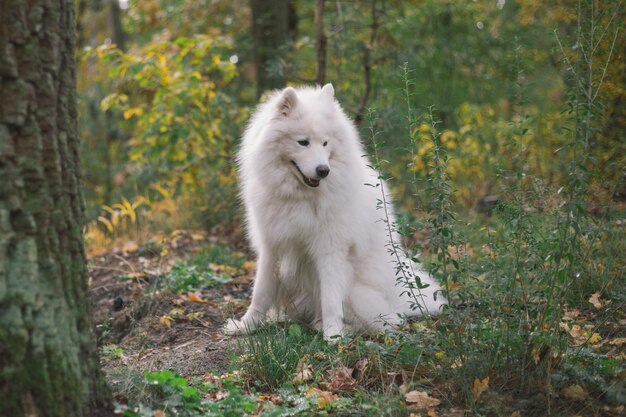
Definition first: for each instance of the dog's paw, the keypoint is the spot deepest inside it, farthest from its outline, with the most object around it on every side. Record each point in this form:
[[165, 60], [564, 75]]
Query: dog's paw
[[333, 336], [235, 327], [244, 326]]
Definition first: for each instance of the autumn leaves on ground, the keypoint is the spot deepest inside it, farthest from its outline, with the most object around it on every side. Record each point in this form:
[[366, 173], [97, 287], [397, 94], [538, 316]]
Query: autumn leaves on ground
[[159, 307]]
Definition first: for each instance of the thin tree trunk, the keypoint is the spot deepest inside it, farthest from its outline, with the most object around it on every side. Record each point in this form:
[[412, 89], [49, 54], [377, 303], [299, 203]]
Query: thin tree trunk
[[270, 32], [48, 357], [320, 43]]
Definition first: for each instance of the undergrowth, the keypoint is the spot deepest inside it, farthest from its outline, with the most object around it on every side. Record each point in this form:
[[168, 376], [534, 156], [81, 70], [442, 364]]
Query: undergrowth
[[535, 324]]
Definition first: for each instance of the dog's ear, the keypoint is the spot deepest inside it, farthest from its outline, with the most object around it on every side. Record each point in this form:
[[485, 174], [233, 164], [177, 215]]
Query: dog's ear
[[288, 101], [328, 91]]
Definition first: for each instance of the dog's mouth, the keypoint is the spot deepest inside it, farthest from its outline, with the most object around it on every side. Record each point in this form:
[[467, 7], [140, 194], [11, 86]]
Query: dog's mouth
[[311, 182]]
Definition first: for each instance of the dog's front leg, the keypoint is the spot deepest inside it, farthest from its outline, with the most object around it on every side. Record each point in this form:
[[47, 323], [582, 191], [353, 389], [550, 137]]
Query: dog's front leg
[[335, 273], [263, 296]]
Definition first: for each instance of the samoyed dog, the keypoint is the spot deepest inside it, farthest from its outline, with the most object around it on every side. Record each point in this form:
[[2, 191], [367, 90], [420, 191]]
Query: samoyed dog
[[314, 218]]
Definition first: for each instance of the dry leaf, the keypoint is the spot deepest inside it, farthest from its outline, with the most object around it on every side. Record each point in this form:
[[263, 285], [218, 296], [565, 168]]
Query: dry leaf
[[303, 372], [619, 341], [595, 338], [359, 368], [516, 414], [595, 300], [166, 321], [194, 297], [570, 315], [479, 386], [575, 392], [341, 379], [159, 413], [421, 399], [197, 236], [432, 413], [130, 247], [324, 398]]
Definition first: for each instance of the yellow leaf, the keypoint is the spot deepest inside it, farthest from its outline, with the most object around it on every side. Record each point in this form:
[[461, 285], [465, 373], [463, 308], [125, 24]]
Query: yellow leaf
[[479, 386], [194, 297], [595, 338], [135, 111], [106, 223], [575, 392], [324, 398], [516, 414], [421, 399], [439, 355], [166, 321], [197, 236]]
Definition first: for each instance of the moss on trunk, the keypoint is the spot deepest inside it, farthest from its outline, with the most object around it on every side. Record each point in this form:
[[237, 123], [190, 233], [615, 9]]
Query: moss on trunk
[[48, 357]]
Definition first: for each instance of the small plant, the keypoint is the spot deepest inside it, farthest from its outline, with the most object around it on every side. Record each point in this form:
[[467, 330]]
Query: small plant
[[214, 266]]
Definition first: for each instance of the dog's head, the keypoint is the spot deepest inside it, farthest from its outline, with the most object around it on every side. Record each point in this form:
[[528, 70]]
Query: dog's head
[[305, 120]]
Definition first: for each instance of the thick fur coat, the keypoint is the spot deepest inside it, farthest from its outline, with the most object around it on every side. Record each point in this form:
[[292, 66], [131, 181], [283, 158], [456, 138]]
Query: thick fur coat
[[314, 218]]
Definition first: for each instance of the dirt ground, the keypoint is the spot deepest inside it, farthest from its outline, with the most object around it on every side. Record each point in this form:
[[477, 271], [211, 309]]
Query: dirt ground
[[142, 327]]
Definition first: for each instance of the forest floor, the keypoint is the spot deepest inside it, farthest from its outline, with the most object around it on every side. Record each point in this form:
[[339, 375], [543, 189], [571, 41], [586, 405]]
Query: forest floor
[[159, 308], [146, 325]]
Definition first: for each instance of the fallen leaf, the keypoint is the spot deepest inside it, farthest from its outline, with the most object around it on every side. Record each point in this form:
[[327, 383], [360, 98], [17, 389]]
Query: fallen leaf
[[166, 321], [516, 414], [324, 398], [359, 368], [421, 399], [341, 379], [432, 413], [575, 392], [303, 372], [159, 413], [130, 247], [595, 338], [454, 286], [576, 331], [619, 341], [479, 386], [194, 297], [197, 236], [595, 300], [571, 314]]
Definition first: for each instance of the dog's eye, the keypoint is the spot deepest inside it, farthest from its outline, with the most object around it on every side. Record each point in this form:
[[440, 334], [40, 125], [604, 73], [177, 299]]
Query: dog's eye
[[325, 143], [304, 142]]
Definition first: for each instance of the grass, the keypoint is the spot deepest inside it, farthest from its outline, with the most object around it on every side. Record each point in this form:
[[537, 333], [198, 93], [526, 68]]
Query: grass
[[214, 265]]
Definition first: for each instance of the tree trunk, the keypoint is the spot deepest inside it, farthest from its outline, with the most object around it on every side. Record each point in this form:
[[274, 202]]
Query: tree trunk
[[320, 43], [48, 357], [270, 32]]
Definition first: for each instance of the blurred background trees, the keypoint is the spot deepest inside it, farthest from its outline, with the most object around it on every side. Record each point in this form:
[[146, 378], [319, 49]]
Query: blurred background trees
[[166, 88]]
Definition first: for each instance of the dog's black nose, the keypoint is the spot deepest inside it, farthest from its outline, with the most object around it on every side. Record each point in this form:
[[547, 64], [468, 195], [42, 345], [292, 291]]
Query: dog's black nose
[[322, 171]]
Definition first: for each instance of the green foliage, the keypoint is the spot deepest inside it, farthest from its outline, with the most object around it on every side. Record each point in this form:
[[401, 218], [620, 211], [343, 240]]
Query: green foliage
[[272, 354], [213, 266], [181, 122]]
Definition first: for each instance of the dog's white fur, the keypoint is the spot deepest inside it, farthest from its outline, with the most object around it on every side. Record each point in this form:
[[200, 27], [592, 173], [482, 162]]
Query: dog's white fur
[[323, 252]]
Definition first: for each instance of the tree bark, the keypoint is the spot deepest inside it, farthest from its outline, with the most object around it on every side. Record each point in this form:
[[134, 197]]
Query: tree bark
[[320, 43], [270, 32], [48, 357]]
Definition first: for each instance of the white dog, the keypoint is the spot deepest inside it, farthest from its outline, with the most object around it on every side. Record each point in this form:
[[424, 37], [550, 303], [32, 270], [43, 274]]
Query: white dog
[[314, 218]]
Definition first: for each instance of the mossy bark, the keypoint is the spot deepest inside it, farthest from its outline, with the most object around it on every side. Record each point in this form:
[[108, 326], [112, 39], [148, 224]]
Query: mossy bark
[[48, 357]]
